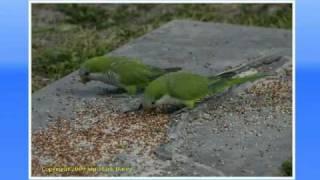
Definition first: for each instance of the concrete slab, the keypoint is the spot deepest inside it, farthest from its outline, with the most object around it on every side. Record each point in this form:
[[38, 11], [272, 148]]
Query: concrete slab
[[204, 48]]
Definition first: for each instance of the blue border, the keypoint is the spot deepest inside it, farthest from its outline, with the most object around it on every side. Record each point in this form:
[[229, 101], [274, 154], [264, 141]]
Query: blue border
[[14, 89], [307, 89]]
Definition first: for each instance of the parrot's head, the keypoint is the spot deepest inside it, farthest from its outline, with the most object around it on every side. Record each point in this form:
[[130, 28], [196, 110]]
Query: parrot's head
[[148, 103], [94, 65], [154, 92], [84, 75]]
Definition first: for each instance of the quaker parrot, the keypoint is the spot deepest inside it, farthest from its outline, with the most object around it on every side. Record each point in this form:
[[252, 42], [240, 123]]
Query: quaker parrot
[[185, 88], [124, 73]]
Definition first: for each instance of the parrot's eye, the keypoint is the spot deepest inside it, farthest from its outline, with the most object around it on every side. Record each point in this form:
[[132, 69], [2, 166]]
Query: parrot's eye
[[153, 103], [86, 73]]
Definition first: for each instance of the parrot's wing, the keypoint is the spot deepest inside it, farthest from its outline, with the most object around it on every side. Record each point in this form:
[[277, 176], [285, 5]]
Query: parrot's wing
[[132, 73], [187, 86], [161, 71]]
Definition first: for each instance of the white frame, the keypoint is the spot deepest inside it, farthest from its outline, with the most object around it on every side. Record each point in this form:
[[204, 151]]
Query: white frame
[[168, 2]]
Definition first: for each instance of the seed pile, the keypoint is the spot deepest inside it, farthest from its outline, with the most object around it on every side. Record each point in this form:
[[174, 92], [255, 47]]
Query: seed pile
[[87, 141], [276, 93]]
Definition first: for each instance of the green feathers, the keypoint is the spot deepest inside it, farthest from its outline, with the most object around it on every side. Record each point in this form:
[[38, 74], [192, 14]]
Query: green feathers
[[126, 73], [99, 64], [188, 88], [161, 86], [176, 88]]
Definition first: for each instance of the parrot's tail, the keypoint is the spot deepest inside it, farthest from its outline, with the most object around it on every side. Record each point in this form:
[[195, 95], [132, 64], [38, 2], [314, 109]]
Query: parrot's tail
[[172, 69], [219, 84], [222, 76]]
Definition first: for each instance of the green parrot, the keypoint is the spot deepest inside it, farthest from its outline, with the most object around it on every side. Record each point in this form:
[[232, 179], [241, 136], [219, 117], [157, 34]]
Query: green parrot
[[122, 72], [184, 88]]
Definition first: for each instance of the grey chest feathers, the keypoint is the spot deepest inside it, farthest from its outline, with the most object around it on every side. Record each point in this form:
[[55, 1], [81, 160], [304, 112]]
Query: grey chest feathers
[[109, 77]]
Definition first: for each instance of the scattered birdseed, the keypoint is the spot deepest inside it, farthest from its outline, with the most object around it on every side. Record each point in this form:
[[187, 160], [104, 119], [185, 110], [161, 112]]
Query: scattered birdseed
[[276, 93], [94, 136]]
